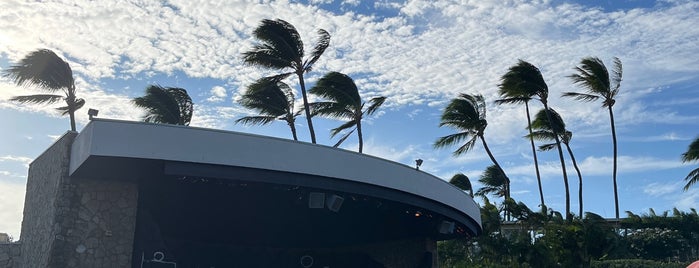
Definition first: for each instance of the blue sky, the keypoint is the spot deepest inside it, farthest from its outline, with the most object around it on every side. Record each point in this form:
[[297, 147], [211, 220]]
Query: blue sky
[[419, 54]]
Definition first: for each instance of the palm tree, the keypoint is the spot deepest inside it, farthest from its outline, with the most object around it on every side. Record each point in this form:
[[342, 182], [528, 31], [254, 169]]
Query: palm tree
[[273, 100], [544, 132], [343, 103], [166, 105], [593, 76], [692, 154], [529, 77], [44, 69], [467, 114], [514, 90], [494, 182], [462, 182], [281, 48]]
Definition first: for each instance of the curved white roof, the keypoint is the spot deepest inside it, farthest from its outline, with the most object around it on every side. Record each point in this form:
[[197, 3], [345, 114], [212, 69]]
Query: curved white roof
[[144, 141]]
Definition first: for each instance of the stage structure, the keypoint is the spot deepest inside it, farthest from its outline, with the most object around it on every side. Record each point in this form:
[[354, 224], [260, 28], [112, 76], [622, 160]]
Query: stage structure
[[133, 194]]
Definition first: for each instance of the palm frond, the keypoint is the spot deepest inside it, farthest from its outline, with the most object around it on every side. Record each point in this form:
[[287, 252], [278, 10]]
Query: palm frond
[[581, 96], [79, 103], [692, 152], [37, 99], [331, 110], [268, 97], [346, 125], [166, 105], [523, 80], [692, 178], [256, 120], [542, 135], [461, 181], [281, 46], [321, 45], [541, 121], [339, 88], [344, 137], [374, 104], [42, 68], [547, 147], [617, 73], [451, 139]]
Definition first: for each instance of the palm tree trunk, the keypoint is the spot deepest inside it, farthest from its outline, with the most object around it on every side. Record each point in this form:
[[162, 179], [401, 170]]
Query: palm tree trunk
[[507, 182], [536, 160], [70, 103], [563, 163], [306, 107], [616, 193], [580, 183], [293, 130], [359, 135]]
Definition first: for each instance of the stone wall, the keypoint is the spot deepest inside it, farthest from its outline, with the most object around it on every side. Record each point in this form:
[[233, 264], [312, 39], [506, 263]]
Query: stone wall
[[75, 222], [10, 255], [98, 225], [47, 175]]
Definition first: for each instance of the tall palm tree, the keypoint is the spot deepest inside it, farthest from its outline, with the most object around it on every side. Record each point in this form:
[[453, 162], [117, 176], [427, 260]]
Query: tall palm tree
[[166, 105], [544, 132], [462, 182], [515, 90], [467, 114], [692, 154], [593, 76], [494, 182], [46, 70], [343, 103], [529, 77], [273, 100], [281, 48]]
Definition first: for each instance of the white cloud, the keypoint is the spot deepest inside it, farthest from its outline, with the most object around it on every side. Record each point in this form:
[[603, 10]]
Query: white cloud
[[218, 94], [11, 204], [21, 159]]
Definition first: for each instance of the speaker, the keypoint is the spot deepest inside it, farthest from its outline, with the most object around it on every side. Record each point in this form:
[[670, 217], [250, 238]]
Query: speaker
[[446, 227], [335, 202], [316, 200]]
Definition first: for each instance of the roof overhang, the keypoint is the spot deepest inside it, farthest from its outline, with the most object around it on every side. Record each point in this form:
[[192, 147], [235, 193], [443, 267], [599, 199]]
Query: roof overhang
[[111, 149]]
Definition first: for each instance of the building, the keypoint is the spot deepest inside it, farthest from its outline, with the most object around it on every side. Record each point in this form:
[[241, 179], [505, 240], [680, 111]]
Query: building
[[132, 194]]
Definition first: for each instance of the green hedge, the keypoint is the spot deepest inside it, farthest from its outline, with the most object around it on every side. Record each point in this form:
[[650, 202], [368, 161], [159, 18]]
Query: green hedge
[[635, 263]]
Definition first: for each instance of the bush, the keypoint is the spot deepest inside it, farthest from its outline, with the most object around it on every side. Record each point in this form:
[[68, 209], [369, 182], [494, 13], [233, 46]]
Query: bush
[[636, 263]]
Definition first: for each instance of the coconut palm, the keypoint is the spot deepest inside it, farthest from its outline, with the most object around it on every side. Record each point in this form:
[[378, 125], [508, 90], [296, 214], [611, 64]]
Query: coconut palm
[[467, 114], [494, 182], [44, 69], [166, 105], [462, 182], [529, 77], [343, 103], [514, 90], [692, 154], [593, 76], [272, 100], [281, 48], [544, 132]]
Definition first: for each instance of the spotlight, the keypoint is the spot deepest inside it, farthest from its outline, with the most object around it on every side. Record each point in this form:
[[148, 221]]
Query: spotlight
[[334, 202], [92, 112], [418, 163]]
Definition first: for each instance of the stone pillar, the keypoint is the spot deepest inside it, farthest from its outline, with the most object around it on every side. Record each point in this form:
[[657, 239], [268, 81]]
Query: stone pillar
[[76, 222]]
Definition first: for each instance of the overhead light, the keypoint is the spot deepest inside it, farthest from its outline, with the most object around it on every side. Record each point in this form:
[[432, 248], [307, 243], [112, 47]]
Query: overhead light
[[92, 112], [334, 202], [418, 163]]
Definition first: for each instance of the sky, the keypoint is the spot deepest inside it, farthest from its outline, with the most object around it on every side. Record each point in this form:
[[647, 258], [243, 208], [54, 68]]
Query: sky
[[417, 53]]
